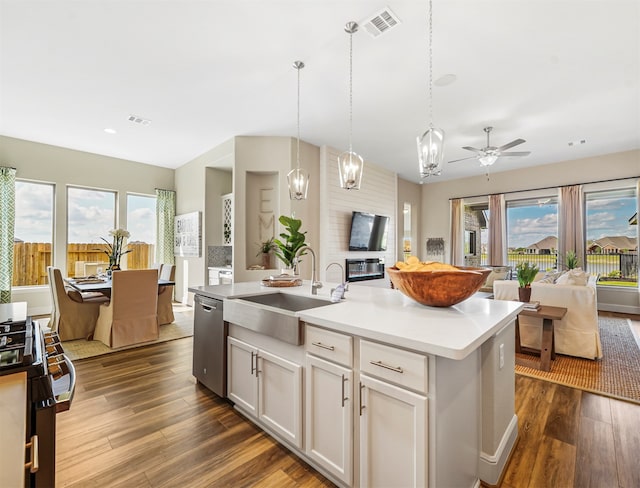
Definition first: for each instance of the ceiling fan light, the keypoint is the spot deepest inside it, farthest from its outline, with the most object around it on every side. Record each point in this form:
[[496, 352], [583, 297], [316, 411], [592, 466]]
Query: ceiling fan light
[[488, 159], [350, 166], [431, 152], [298, 181]]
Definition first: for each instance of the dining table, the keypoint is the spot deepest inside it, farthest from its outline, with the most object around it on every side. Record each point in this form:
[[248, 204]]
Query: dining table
[[101, 285]]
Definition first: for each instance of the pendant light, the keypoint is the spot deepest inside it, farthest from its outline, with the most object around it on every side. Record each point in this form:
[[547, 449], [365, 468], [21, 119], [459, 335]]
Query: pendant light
[[298, 179], [350, 164], [431, 143]]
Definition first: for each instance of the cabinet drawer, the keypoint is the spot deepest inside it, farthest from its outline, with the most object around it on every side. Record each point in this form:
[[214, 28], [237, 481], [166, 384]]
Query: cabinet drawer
[[329, 345], [396, 365]]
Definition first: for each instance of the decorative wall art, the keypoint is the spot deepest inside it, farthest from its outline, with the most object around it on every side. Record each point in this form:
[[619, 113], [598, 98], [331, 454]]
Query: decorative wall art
[[188, 235], [435, 249]]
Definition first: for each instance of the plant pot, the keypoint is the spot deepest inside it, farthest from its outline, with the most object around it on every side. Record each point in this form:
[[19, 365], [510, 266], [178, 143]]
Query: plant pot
[[266, 260], [524, 294]]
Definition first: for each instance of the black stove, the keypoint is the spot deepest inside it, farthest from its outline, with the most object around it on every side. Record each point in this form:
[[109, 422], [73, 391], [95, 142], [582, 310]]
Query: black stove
[[26, 348]]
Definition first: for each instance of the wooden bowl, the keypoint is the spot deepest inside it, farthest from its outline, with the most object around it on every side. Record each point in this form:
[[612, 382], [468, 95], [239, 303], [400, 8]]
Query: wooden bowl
[[439, 288]]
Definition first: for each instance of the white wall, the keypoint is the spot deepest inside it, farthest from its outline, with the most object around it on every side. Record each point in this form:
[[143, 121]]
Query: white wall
[[192, 195], [271, 155], [436, 196], [377, 194], [410, 193], [64, 167]]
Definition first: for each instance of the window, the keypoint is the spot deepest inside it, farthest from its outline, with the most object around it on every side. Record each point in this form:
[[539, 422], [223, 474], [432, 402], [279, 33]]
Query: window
[[476, 221], [611, 236], [33, 235], [532, 232], [141, 224], [90, 216]]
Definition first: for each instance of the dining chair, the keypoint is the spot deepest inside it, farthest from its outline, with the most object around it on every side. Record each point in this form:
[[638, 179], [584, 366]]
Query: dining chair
[[71, 316], [131, 315], [165, 295]]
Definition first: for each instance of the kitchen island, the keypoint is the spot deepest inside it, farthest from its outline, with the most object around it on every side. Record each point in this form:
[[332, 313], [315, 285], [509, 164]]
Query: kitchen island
[[381, 390]]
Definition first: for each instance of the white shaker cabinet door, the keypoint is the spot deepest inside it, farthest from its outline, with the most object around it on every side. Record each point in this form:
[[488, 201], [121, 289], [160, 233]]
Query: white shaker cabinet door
[[280, 396], [329, 416], [393, 435], [242, 384]]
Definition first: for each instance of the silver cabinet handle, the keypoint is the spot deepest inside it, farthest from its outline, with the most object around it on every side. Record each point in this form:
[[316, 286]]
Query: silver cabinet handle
[[397, 369], [323, 346], [253, 369], [360, 399], [344, 399]]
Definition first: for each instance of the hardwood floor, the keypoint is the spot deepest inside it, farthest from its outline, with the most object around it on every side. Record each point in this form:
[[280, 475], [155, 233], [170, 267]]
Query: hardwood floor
[[139, 419]]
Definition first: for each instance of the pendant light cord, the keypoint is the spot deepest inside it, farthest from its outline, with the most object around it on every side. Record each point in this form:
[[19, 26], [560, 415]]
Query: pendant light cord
[[350, 89], [430, 64], [299, 66]]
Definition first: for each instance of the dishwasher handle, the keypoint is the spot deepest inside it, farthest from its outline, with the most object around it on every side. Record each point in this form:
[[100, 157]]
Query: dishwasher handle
[[208, 304]]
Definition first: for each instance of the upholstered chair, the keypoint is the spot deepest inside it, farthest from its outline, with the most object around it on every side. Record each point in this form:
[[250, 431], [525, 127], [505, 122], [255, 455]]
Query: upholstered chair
[[131, 315], [165, 295], [71, 317]]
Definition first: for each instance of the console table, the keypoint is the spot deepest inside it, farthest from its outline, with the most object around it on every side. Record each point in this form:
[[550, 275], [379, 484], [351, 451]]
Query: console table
[[547, 350]]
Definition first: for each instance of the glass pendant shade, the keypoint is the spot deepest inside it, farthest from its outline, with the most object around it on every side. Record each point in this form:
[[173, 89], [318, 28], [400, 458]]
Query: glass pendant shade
[[350, 166], [431, 152], [298, 181], [488, 160]]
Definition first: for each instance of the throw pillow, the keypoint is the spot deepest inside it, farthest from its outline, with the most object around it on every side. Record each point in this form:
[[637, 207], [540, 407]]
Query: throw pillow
[[573, 277], [551, 277]]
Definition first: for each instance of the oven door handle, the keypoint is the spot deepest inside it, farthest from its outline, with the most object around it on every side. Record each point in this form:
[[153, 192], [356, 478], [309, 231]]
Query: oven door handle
[[63, 400]]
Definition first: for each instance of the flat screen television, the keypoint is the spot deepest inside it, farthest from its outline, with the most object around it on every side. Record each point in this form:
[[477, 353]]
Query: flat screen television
[[368, 232]]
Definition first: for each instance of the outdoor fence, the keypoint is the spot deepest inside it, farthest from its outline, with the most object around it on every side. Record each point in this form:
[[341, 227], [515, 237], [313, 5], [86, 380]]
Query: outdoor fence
[[613, 266], [30, 259]]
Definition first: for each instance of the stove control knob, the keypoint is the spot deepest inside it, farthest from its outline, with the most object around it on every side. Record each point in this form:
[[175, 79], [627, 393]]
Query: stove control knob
[[57, 366], [51, 338]]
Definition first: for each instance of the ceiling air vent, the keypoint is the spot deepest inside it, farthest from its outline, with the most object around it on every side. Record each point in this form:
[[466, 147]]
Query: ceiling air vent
[[138, 120], [380, 23]]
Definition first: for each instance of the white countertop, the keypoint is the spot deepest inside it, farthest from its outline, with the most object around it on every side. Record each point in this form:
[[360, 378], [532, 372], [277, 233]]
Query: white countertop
[[386, 315]]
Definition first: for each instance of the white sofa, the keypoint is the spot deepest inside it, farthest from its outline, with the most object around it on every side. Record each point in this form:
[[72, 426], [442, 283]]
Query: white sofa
[[577, 334]]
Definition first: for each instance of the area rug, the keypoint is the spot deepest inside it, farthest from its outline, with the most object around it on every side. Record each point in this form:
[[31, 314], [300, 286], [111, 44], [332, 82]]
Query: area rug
[[181, 327], [616, 375]]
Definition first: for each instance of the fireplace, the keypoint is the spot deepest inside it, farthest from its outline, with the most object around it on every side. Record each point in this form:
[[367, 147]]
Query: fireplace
[[364, 269]]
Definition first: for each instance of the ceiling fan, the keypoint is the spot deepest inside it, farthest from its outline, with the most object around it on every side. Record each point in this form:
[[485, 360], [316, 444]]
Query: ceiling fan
[[489, 154]]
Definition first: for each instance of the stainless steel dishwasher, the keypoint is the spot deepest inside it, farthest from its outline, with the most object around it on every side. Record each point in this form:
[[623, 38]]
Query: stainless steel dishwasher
[[210, 345]]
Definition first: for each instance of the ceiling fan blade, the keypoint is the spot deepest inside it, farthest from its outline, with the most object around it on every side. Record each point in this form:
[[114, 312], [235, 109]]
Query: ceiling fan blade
[[511, 144], [469, 148], [463, 159], [515, 153]]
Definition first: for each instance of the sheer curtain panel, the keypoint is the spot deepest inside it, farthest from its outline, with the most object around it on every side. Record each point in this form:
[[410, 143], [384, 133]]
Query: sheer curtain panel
[[166, 212], [497, 231], [571, 224], [7, 223], [457, 232]]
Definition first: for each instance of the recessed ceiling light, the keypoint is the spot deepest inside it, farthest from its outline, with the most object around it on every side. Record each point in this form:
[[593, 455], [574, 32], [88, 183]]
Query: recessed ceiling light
[[445, 80], [109, 130]]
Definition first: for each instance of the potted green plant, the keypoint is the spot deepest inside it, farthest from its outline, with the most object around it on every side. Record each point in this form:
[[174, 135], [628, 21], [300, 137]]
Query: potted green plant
[[265, 252], [290, 242], [525, 273], [571, 260]]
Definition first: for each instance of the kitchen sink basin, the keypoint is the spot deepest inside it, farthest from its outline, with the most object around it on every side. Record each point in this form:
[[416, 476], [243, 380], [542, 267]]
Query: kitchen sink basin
[[293, 303], [272, 314]]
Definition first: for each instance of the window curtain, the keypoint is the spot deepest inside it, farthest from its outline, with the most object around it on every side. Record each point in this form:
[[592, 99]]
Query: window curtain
[[497, 231], [456, 250], [165, 214], [7, 227], [571, 224]]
